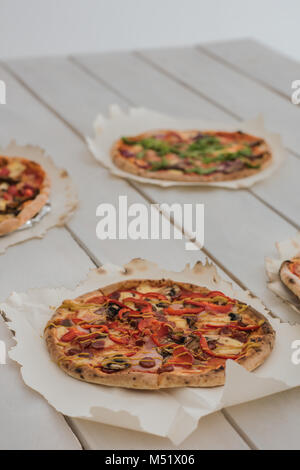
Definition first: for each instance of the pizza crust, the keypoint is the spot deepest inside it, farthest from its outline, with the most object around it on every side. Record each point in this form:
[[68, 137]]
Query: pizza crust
[[289, 279], [31, 207], [176, 175], [154, 381]]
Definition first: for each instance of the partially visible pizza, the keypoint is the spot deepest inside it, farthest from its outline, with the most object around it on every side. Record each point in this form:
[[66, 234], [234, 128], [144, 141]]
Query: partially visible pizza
[[204, 156], [24, 190], [290, 275], [151, 334]]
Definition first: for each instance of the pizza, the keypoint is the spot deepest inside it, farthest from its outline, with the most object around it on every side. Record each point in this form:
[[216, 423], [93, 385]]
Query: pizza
[[152, 334], [192, 155], [24, 190], [290, 275]]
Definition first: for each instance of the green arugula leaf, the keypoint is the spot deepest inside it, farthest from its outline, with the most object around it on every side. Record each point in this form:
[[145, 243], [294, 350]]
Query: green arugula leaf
[[128, 141]]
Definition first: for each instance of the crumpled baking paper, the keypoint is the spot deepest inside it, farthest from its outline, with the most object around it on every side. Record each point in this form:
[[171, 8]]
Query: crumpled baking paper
[[170, 413], [137, 120], [63, 198], [286, 250]]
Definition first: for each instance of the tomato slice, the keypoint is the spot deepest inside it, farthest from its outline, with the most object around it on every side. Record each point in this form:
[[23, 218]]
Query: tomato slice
[[154, 295], [181, 356], [72, 334]]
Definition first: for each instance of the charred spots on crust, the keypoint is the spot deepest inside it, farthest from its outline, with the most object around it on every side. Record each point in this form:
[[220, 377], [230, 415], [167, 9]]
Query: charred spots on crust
[[78, 370], [266, 328]]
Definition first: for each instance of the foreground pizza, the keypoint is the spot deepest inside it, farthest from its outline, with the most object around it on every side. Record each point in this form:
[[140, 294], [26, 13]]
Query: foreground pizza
[[290, 275], [192, 155], [156, 334], [24, 190]]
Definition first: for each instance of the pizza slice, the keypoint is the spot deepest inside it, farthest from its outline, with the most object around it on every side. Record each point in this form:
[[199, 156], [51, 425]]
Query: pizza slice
[[24, 190]]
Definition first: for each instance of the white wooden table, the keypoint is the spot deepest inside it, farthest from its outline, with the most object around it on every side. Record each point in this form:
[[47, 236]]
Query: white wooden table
[[52, 102]]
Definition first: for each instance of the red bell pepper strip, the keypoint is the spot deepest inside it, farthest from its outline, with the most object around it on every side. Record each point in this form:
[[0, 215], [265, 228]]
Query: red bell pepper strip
[[4, 171], [122, 311], [146, 323], [154, 295], [88, 326], [234, 326], [295, 268], [207, 350], [72, 334], [119, 339], [183, 311], [213, 307], [181, 356], [190, 294]]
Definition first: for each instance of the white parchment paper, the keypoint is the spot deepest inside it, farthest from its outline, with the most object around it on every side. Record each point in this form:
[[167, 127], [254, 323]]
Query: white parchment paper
[[63, 196], [286, 250], [169, 413], [137, 120]]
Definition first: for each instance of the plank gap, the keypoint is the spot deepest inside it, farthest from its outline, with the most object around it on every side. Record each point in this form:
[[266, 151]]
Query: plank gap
[[259, 81], [185, 85], [238, 429], [236, 69], [98, 79]]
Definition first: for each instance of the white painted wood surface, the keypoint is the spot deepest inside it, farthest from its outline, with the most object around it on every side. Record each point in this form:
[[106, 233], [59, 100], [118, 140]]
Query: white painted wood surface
[[94, 186], [259, 62], [63, 97]]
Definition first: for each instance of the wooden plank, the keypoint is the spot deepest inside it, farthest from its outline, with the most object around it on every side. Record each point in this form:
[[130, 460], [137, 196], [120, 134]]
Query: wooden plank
[[28, 422], [94, 185], [233, 91], [258, 61], [254, 230], [212, 433], [273, 421], [202, 73], [88, 174], [232, 208], [57, 261], [64, 108]]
